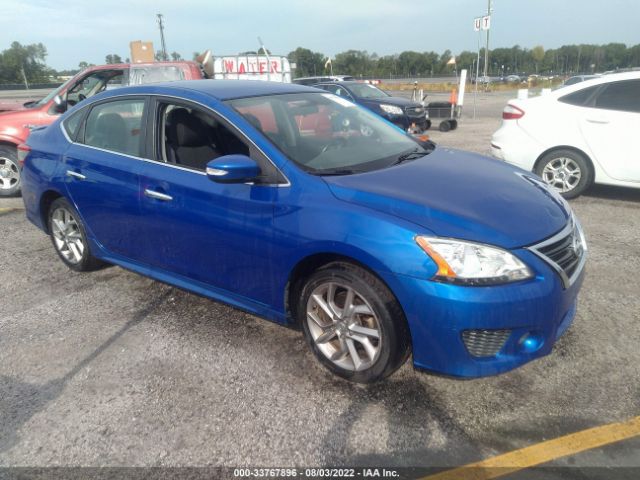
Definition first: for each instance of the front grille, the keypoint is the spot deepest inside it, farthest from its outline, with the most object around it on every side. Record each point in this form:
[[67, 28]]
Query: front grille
[[484, 343], [415, 111], [565, 252]]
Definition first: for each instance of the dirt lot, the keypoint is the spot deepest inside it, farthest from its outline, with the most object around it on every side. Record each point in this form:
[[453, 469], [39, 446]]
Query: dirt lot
[[113, 369]]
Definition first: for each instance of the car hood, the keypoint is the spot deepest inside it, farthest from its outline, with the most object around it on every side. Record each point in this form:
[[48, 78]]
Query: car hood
[[460, 195], [398, 101], [13, 105]]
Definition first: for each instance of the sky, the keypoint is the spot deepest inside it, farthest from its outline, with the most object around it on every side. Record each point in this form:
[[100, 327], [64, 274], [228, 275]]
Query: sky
[[79, 30]]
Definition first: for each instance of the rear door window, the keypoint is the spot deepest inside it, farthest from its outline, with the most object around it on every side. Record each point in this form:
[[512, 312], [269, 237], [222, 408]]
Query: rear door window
[[581, 98], [622, 96], [72, 122], [116, 126]]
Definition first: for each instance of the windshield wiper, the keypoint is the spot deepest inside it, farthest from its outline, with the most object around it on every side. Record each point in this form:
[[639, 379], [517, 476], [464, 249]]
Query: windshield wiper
[[410, 156], [336, 171]]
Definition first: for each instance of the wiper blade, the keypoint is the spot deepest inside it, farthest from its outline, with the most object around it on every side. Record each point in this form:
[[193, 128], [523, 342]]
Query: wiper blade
[[410, 156], [336, 171]]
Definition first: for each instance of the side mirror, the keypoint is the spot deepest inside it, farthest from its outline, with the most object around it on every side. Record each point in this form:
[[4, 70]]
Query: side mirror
[[232, 169], [61, 105]]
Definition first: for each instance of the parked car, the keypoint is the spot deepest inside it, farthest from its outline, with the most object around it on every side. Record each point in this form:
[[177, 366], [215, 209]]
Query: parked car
[[404, 113], [342, 225], [513, 79], [578, 78], [324, 78], [484, 80], [16, 124], [577, 135]]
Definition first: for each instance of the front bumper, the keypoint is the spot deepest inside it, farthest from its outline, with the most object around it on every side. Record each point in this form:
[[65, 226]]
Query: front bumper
[[535, 314]]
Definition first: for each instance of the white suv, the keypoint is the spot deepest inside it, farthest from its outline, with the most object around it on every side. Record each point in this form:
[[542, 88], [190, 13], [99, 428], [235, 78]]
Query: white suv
[[576, 135]]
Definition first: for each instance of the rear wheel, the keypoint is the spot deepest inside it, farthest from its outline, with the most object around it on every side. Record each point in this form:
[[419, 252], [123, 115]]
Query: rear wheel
[[445, 126], [69, 238], [566, 171], [9, 171], [353, 324]]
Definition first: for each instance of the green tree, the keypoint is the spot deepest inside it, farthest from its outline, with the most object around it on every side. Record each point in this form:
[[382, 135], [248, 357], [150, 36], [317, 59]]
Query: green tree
[[308, 63], [20, 61], [537, 53], [175, 56], [112, 58]]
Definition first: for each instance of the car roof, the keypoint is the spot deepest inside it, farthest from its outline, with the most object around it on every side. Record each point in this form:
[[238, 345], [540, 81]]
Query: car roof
[[597, 80], [346, 83], [219, 89]]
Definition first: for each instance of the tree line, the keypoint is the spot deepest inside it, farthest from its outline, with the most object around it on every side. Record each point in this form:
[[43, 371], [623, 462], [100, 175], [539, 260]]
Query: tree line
[[565, 60], [20, 63]]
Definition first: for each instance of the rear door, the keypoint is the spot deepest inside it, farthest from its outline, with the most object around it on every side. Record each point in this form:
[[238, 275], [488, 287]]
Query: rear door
[[102, 173], [610, 128]]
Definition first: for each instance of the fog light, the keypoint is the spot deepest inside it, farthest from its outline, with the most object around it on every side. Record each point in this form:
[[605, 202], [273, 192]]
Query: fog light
[[530, 342]]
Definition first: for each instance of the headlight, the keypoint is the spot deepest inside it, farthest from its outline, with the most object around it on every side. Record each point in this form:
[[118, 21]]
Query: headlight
[[468, 263], [392, 109]]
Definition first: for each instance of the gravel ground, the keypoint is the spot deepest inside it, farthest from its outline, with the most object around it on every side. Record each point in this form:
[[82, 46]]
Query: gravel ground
[[113, 369]]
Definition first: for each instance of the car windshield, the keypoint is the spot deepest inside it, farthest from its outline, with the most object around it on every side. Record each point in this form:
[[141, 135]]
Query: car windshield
[[53, 93], [364, 90], [327, 135]]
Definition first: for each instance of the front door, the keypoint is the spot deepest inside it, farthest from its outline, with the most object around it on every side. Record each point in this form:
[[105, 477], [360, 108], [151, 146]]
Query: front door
[[218, 234]]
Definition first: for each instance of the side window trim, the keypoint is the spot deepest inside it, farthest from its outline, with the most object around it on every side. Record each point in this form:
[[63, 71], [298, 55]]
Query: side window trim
[[80, 135], [275, 177]]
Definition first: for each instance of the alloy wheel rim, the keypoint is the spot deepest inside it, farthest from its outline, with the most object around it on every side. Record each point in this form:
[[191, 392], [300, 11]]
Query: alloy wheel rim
[[343, 326], [563, 174], [67, 236], [9, 174]]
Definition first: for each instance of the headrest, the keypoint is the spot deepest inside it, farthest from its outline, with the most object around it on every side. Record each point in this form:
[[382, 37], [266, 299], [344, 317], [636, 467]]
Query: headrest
[[111, 123], [185, 129]]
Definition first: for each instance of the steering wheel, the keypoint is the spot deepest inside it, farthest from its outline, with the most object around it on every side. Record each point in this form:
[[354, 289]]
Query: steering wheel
[[335, 143], [81, 97]]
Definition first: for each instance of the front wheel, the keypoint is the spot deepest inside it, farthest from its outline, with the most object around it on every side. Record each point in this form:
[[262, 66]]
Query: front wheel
[[566, 171], [69, 238], [9, 172], [353, 324]]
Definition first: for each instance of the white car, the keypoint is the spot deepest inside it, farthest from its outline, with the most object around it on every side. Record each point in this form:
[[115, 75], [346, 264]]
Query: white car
[[577, 135]]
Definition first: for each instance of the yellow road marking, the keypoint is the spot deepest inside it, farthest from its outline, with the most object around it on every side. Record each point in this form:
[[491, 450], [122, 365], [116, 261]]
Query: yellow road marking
[[9, 210], [543, 452]]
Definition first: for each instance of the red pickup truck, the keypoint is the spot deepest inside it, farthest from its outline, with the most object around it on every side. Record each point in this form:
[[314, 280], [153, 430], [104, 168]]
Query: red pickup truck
[[16, 123]]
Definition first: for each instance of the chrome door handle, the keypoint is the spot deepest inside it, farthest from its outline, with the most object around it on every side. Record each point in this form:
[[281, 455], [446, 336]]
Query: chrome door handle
[[598, 120], [157, 195], [79, 176]]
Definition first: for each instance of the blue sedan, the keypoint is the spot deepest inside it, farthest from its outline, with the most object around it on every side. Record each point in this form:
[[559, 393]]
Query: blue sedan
[[296, 205]]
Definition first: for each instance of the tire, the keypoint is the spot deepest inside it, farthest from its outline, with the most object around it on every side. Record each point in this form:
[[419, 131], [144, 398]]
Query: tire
[[427, 125], [445, 126], [69, 238], [9, 171], [375, 331], [567, 171]]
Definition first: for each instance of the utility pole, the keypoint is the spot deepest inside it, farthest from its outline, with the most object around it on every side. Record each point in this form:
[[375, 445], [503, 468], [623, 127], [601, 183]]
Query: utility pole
[[486, 51], [165, 57]]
